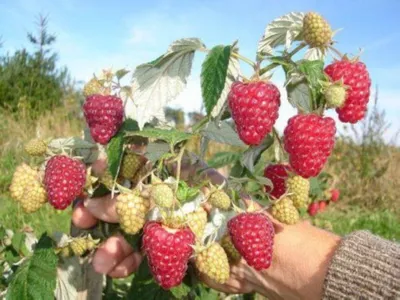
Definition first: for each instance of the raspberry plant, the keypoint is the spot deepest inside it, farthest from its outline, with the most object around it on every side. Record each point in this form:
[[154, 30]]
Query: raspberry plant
[[182, 221]]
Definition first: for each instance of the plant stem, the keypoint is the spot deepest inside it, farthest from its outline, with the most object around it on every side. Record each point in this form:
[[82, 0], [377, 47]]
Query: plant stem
[[287, 57], [279, 139], [245, 59], [178, 167]]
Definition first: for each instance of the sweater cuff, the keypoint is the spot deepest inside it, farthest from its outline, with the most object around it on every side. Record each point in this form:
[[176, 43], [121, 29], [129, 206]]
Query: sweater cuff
[[364, 267]]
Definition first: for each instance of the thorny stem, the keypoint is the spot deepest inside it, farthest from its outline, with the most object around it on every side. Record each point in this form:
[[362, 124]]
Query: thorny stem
[[287, 57], [276, 135], [178, 166], [336, 51], [245, 59]]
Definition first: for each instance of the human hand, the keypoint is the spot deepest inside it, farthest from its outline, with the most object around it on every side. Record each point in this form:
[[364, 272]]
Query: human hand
[[301, 254]]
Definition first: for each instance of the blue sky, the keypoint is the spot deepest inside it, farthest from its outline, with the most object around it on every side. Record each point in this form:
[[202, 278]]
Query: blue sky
[[93, 35]]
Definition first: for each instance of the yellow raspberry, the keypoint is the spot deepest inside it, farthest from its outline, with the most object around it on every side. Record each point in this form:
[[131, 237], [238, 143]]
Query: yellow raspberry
[[233, 254], [220, 199], [35, 197], [131, 163], [284, 211], [197, 221], [26, 188], [132, 210], [107, 179], [162, 195], [298, 188], [213, 262], [317, 32], [92, 87], [78, 246], [65, 251], [36, 147]]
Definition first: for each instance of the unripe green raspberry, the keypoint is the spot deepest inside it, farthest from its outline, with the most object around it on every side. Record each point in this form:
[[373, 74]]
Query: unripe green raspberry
[[284, 211], [131, 210], [230, 249], [131, 163], [214, 263], [220, 199], [316, 30], [36, 147], [162, 195], [197, 221], [335, 95], [298, 188]]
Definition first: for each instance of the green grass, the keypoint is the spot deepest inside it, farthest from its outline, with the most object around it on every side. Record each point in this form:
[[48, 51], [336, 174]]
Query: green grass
[[45, 220], [384, 223]]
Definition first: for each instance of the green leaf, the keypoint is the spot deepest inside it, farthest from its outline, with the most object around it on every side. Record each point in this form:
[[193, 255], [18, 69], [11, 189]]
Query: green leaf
[[121, 73], [147, 290], [154, 151], [162, 80], [186, 193], [36, 277], [171, 136], [299, 95], [130, 125], [114, 153], [281, 31], [143, 273], [221, 159], [202, 292], [213, 75], [143, 285], [314, 72], [220, 108], [280, 60], [253, 153], [18, 243], [224, 133], [180, 291]]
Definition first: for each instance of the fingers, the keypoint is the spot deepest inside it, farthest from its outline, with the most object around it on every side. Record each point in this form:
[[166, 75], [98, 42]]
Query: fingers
[[82, 218], [111, 254], [102, 208], [99, 167], [129, 265]]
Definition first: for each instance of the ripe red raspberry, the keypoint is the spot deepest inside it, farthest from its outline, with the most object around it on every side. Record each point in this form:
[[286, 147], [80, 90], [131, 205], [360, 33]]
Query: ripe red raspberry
[[335, 193], [64, 180], [322, 205], [356, 77], [168, 252], [309, 140], [252, 235], [254, 108], [104, 116], [313, 209], [278, 174]]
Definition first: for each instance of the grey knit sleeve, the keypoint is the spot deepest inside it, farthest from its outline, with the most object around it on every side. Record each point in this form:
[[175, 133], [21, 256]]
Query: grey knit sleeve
[[364, 267]]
